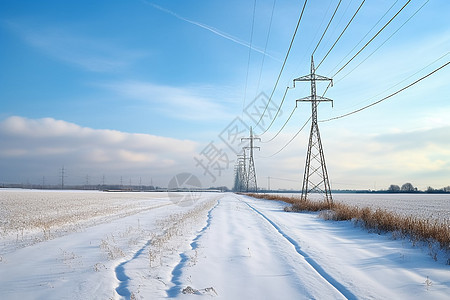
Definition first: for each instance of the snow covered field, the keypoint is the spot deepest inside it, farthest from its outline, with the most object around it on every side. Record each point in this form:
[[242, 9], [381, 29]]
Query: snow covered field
[[426, 206], [94, 245]]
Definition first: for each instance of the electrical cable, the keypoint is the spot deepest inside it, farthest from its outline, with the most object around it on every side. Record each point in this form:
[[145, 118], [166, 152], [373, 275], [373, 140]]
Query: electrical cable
[[327, 27], [265, 47], [387, 97], [384, 41], [398, 83], [284, 179], [372, 38], [348, 24], [278, 111], [379, 20], [249, 54], [310, 46], [292, 112], [412, 75], [284, 63], [289, 140]]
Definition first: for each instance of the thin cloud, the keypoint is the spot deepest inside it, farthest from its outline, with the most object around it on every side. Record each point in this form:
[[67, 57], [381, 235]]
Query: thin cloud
[[90, 54], [177, 102], [212, 29], [391, 158]]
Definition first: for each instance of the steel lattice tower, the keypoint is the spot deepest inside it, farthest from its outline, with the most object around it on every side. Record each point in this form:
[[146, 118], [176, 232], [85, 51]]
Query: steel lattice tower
[[241, 173], [315, 178], [251, 184]]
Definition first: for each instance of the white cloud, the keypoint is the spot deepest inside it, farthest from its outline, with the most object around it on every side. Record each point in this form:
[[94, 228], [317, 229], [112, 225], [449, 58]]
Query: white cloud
[[39, 147]]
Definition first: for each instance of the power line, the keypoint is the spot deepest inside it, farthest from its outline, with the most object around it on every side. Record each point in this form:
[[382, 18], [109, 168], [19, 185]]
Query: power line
[[278, 111], [282, 101], [412, 75], [282, 148], [292, 112], [384, 41], [342, 16], [249, 54], [360, 50], [379, 20], [284, 179], [284, 63], [265, 46], [387, 97], [314, 38], [332, 17], [348, 24]]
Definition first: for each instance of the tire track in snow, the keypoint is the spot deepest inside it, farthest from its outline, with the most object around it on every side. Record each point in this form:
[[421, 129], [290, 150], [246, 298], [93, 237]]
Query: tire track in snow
[[121, 275], [122, 289], [175, 290], [316, 266]]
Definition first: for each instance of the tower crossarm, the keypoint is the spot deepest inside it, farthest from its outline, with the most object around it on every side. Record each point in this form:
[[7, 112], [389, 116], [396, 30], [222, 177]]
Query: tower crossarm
[[311, 77], [259, 148], [314, 99]]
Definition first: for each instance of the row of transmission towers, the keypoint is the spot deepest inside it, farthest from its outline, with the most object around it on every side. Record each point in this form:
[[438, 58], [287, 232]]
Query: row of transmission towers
[[244, 171], [315, 177]]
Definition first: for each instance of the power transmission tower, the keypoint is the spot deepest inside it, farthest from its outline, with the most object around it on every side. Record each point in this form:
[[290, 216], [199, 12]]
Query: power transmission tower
[[62, 177], [251, 184], [241, 176], [315, 178]]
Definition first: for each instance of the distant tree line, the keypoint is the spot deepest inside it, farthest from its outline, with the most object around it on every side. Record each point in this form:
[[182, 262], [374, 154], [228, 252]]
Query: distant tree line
[[437, 191], [409, 188]]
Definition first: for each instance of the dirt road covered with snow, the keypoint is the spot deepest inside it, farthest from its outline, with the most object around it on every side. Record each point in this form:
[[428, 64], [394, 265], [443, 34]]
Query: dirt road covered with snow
[[252, 249]]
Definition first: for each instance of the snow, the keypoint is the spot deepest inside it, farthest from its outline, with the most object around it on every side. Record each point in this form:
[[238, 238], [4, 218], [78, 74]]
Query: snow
[[435, 207], [224, 246]]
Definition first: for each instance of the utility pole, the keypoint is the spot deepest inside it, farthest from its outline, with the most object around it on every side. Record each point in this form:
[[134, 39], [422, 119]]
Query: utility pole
[[251, 184], [268, 183], [315, 178]]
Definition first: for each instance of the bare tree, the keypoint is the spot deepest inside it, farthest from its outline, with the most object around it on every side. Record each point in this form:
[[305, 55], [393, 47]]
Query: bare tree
[[408, 187], [393, 188]]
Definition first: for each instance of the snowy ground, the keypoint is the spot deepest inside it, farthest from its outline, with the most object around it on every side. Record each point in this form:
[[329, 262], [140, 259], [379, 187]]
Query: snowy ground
[[223, 246]]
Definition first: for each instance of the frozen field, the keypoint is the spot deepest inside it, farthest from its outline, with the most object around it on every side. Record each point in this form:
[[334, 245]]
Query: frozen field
[[426, 206], [94, 245]]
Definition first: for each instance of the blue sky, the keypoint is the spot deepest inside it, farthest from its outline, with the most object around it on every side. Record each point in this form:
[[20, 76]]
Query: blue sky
[[138, 89]]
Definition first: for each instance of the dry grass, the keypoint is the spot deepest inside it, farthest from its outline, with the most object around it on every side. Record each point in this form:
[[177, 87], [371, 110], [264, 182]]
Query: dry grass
[[378, 220]]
